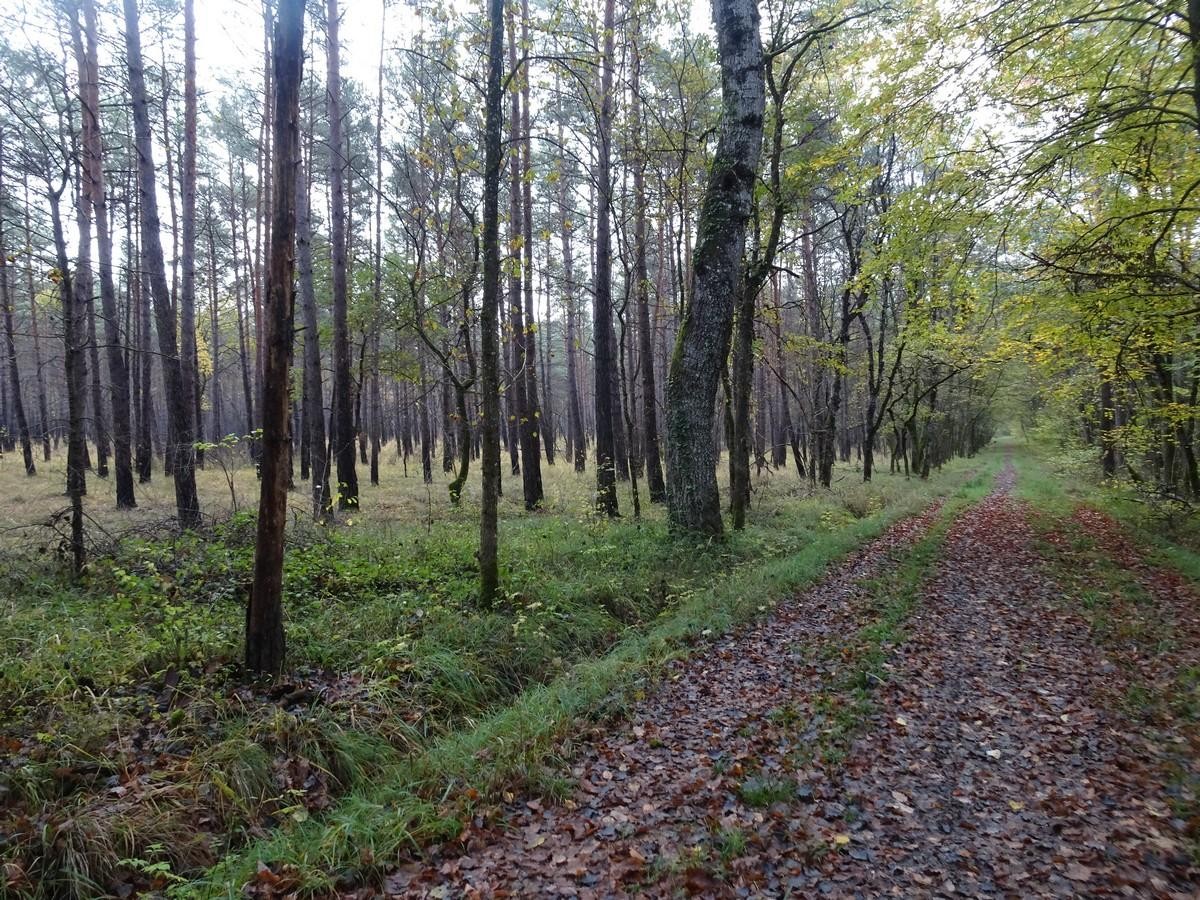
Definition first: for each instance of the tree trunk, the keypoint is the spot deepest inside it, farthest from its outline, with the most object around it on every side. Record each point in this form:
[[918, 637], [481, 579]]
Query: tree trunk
[[179, 406], [627, 411], [243, 344], [423, 422], [576, 440], [314, 412], [189, 357], [376, 403], [99, 424], [532, 424], [704, 334], [218, 423], [343, 407], [519, 412], [742, 379], [1109, 457], [39, 373], [360, 430], [449, 439], [264, 615], [489, 339], [617, 388], [145, 359], [654, 475], [376, 410], [118, 371], [602, 337], [10, 341], [74, 305], [549, 430]]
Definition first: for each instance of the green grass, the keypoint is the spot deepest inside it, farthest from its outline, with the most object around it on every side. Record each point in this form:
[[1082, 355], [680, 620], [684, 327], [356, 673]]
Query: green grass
[[763, 791], [1056, 482], [438, 704], [1117, 605], [730, 843]]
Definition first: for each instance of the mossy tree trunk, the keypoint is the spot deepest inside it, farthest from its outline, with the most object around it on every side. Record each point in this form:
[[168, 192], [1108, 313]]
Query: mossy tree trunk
[[702, 345]]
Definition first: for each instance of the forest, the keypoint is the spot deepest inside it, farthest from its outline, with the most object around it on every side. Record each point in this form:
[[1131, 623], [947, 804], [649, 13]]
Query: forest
[[599, 448]]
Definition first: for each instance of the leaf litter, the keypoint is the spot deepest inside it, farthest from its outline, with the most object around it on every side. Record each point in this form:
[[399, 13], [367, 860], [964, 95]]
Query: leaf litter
[[989, 763]]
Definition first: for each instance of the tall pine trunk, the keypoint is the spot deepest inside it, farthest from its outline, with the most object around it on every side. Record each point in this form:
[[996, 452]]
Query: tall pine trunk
[[532, 471], [653, 460], [35, 332], [10, 342], [376, 411], [526, 426], [218, 423], [189, 357], [179, 405], [546, 353], [145, 365], [99, 420], [314, 400], [602, 330], [489, 338], [74, 307], [343, 398], [577, 443], [87, 54], [264, 614]]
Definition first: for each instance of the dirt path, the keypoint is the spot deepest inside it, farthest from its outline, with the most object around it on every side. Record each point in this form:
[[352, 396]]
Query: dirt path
[[991, 768], [985, 769]]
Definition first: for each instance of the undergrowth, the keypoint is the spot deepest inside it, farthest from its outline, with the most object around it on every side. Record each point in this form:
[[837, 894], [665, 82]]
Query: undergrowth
[[138, 753], [431, 795]]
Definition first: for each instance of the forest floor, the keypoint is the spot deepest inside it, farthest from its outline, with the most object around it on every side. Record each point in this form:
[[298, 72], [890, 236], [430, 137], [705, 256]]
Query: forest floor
[[991, 699], [137, 755], [978, 684]]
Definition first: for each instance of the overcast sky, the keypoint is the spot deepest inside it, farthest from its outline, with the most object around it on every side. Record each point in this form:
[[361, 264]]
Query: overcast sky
[[229, 37], [229, 33]]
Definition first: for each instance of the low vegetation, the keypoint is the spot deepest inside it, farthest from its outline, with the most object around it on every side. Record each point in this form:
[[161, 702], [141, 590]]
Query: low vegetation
[[128, 718]]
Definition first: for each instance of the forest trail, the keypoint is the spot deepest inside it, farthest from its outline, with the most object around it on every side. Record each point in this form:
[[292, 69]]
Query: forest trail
[[990, 761]]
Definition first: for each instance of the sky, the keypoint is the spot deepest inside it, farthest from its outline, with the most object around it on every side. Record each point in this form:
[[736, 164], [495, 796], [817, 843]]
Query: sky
[[229, 37], [229, 34]]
